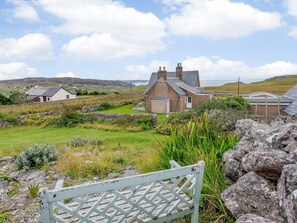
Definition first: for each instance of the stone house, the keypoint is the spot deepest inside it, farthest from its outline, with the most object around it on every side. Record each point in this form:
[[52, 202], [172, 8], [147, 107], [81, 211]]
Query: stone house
[[174, 91], [46, 94]]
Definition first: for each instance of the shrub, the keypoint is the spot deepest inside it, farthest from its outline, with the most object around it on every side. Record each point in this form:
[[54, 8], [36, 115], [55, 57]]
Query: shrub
[[105, 106], [145, 123], [81, 141], [223, 103], [33, 189], [224, 120], [36, 156], [13, 120], [196, 141], [70, 118]]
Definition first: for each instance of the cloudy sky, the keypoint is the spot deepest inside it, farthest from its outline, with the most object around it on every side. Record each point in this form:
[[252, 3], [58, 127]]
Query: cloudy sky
[[129, 39]]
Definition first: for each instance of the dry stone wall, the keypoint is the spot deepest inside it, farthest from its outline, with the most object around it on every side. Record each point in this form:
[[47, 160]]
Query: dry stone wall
[[262, 173]]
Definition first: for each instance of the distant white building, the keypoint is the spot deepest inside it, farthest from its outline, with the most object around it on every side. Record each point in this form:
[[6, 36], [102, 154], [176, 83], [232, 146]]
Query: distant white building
[[45, 94]]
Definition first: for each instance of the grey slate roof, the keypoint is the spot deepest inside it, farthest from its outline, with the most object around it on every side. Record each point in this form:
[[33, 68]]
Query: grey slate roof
[[173, 83], [269, 100], [190, 78], [50, 92], [42, 91], [291, 95]]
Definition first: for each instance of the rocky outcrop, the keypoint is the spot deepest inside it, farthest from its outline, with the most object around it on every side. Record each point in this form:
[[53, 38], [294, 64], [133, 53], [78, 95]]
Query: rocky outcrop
[[252, 218], [15, 197], [262, 173]]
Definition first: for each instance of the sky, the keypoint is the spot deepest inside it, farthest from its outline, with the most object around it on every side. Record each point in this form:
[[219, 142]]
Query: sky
[[130, 39]]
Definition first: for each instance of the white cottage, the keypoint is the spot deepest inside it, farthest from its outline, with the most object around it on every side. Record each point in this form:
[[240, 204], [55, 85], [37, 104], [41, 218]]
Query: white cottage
[[44, 94]]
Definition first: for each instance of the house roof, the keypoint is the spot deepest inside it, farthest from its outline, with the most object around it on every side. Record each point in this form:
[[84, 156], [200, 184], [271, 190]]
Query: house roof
[[189, 78], [268, 99], [42, 91], [291, 95], [50, 92], [259, 94]]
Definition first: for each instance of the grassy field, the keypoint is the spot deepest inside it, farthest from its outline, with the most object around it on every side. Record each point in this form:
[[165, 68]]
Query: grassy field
[[13, 139], [277, 85], [31, 108], [139, 149], [127, 109]]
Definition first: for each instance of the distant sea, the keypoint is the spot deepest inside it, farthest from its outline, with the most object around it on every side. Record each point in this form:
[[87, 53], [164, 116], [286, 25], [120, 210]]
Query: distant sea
[[209, 83]]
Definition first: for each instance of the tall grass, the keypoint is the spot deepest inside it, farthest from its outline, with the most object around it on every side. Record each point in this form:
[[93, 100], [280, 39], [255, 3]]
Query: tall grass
[[32, 108], [196, 141]]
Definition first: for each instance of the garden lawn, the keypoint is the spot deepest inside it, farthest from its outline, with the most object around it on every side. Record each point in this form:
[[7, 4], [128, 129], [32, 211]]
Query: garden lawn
[[13, 139], [127, 109]]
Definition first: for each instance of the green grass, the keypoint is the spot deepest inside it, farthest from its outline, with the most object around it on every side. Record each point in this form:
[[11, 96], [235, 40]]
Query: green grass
[[127, 109], [13, 139], [277, 85], [197, 141]]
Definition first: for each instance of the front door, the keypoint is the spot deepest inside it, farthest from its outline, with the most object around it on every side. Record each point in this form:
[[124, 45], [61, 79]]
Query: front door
[[189, 102]]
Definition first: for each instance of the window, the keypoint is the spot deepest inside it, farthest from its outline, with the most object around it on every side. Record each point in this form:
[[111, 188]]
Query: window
[[189, 99], [67, 96]]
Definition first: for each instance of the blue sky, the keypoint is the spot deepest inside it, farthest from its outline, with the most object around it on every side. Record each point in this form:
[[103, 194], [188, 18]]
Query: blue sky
[[129, 39]]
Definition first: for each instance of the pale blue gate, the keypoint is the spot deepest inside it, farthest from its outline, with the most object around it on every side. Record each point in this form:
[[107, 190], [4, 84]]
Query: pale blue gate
[[155, 197]]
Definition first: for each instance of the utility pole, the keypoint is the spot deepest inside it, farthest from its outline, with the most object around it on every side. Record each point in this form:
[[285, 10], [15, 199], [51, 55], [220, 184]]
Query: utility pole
[[238, 85]]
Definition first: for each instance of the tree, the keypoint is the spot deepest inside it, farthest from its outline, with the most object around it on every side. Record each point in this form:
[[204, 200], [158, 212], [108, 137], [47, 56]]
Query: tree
[[4, 100]]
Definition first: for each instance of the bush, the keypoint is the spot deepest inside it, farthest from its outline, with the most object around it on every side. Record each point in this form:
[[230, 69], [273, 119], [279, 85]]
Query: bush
[[36, 156], [223, 103], [224, 120], [145, 123], [70, 118], [81, 141], [105, 106], [196, 141], [10, 119]]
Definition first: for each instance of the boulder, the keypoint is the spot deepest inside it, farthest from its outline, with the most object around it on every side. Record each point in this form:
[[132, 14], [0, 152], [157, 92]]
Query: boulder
[[287, 192], [232, 168], [289, 206], [244, 125], [282, 139], [252, 218], [253, 194], [268, 164]]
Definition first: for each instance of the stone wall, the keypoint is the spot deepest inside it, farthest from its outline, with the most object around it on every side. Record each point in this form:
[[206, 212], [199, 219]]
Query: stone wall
[[91, 108], [133, 117], [262, 173]]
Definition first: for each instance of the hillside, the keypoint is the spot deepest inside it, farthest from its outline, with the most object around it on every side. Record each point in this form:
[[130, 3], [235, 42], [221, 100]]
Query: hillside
[[277, 85], [67, 82]]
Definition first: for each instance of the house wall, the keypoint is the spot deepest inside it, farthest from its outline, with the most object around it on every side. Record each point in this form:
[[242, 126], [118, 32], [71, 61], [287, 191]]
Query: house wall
[[161, 89], [197, 99], [61, 95], [160, 106]]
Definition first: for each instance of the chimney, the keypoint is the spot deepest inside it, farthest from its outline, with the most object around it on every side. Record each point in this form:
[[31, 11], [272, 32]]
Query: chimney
[[162, 73], [179, 71]]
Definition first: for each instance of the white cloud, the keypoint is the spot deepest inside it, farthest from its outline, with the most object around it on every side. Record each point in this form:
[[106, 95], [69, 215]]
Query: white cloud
[[153, 66], [292, 7], [222, 69], [33, 45], [16, 70], [114, 29], [23, 10], [220, 19], [293, 32], [67, 74]]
